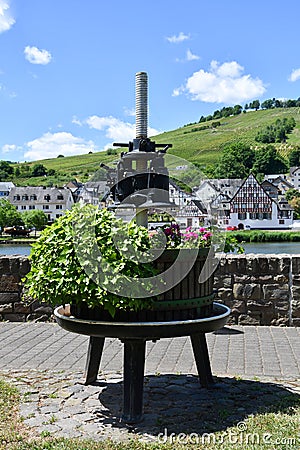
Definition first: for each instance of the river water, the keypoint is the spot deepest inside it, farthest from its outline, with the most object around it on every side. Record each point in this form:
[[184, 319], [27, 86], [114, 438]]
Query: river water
[[18, 249], [291, 248]]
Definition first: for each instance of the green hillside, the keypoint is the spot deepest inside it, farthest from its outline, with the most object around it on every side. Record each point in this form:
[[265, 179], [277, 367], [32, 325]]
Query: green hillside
[[200, 143]]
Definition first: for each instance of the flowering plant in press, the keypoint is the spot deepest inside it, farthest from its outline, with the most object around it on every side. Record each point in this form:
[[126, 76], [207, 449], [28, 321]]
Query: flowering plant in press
[[189, 238], [201, 237]]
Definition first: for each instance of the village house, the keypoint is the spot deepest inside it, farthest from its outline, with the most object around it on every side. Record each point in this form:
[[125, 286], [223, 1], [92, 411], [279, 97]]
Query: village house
[[91, 192], [254, 207], [51, 200], [294, 177], [5, 188]]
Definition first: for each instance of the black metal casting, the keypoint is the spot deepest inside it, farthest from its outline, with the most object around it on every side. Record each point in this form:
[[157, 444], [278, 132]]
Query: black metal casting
[[134, 336]]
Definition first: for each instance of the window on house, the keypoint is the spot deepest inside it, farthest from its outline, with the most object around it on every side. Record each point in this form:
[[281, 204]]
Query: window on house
[[33, 197], [45, 206], [60, 197], [24, 197], [242, 216], [23, 207], [58, 215], [281, 221], [16, 197], [31, 206], [47, 197], [58, 206]]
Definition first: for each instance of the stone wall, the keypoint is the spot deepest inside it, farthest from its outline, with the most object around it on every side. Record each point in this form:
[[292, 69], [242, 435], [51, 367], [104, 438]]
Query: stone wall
[[259, 289], [12, 270]]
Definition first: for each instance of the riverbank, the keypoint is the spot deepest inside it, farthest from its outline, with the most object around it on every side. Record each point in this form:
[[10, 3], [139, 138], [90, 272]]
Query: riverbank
[[266, 236]]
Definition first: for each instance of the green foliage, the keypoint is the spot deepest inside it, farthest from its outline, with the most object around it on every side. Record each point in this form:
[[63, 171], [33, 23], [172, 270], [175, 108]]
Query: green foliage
[[294, 157], [111, 151], [266, 236], [9, 216], [267, 161], [38, 170], [35, 218], [235, 162], [6, 171], [71, 255], [276, 132]]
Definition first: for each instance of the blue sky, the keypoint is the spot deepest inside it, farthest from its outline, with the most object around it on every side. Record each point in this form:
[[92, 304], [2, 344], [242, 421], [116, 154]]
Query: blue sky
[[67, 67]]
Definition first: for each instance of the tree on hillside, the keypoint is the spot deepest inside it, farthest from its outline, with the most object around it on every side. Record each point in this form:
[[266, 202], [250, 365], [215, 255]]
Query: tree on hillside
[[6, 170], [9, 216], [293, 197], [236, 161], [254, 105], [35, 218], [268, 104], [38, 170], [292, 193], [267, 161], [294, 157], [237, 109], [295, 203]]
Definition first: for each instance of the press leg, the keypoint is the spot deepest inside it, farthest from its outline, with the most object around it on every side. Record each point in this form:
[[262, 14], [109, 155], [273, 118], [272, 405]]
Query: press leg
[[202, 359], [95, 349], [134, 363]]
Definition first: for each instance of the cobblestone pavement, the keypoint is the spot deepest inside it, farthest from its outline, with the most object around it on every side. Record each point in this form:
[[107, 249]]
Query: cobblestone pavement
[[254, 367]]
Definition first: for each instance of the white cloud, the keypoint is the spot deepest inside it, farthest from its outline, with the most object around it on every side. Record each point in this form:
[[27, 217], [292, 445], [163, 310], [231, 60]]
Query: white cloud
[[50, 145], [36, 56], [6, 19], [223, 83], [115, 129], [76, 121], [9, 148], [190, 56], [179, 38], [295, 75], [129, 112]]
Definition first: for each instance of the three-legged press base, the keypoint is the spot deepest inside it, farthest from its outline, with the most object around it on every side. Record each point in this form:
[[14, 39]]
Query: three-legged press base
[[133, 368]]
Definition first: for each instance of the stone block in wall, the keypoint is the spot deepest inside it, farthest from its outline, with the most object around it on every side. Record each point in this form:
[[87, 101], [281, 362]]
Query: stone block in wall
[[281, 307], [6, 308], [239, 307], [296, 309], [222, 282], [259, 306], [43, 310], [281, 279], [24, 266], [280, 322], [4, 264], [285, 265], [257, 264], [244, 319], [9, 283], [21, 308], [224, 294], [227, 265], [14, 317], [265, 279], [276, 292], [8, 297], [242, 291], [296, 265]]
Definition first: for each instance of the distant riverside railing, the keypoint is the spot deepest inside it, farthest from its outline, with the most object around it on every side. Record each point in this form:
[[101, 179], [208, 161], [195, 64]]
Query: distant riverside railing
[[259, 289]]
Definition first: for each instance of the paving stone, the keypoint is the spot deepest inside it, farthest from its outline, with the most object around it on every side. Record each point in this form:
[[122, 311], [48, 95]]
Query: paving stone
[[253, 367]]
